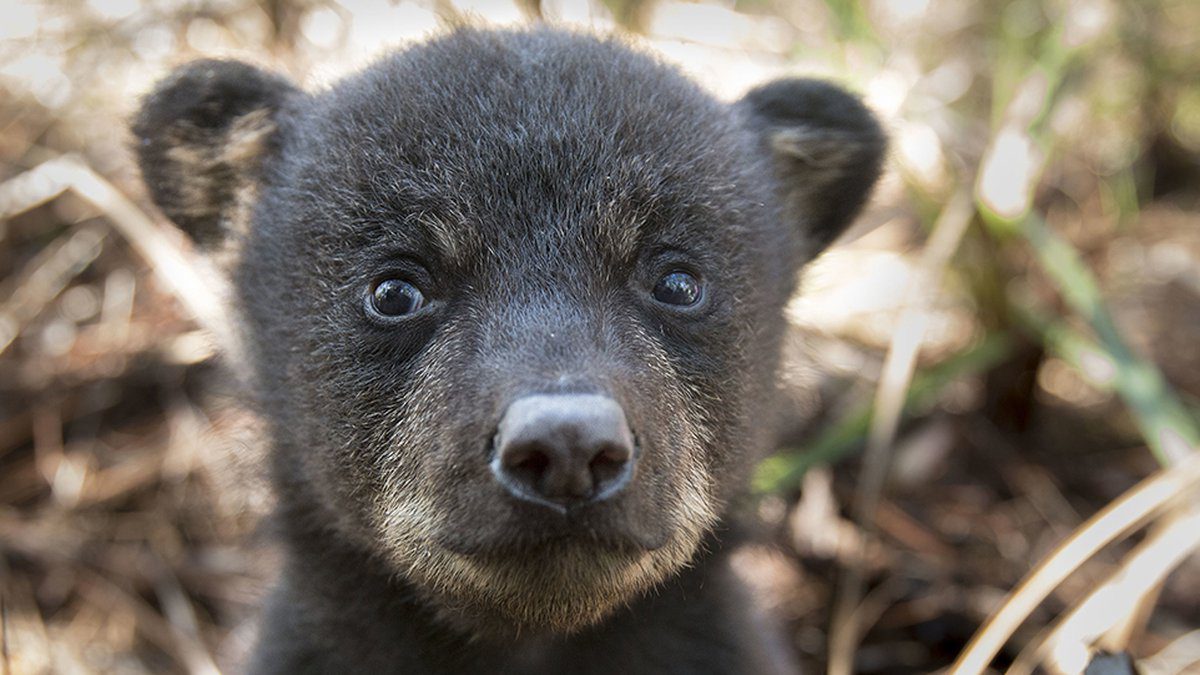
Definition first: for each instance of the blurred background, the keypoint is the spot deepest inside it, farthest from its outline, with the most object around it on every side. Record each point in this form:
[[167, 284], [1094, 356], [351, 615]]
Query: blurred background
[[995, 375]]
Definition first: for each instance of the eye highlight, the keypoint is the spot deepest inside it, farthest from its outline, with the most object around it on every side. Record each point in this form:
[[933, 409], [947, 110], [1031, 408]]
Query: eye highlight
[[679, 289], [395, 298]]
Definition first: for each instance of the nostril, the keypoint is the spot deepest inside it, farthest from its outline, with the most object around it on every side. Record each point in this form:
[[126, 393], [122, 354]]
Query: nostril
[[527, 464], [608, 466]]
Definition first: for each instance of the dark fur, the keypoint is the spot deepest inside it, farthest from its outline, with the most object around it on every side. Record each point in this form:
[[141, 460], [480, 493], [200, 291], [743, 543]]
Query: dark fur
[[534, 184]]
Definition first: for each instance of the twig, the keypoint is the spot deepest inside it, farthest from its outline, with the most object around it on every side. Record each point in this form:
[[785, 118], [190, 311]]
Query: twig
[[899, 366], [103, 592], [847, 434], [1067, 644], [1183, 653], [1128, 512], [29, 190], [182, 621], [5, 668], [45, 278], [177, 273]]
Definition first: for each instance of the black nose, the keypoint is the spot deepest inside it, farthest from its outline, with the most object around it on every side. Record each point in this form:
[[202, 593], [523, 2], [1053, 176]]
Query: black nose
[[562, 450]]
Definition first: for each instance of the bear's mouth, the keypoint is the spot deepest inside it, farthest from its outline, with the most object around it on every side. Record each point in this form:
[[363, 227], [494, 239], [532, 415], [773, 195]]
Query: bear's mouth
[[560, 587], [602, 530]]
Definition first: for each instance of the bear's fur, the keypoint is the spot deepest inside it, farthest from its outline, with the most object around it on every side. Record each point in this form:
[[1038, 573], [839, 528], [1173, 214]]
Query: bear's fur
[[534, 184]]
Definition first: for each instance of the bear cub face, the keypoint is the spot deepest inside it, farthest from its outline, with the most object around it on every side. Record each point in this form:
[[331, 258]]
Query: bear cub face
[[512, 301]]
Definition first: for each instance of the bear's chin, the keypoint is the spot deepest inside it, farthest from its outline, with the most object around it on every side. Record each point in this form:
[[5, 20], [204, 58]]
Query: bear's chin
[[560, 588]]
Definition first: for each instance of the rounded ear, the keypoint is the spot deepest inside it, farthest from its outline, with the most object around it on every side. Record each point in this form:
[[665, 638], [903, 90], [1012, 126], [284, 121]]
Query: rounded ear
[[204, 136], [827, 151]]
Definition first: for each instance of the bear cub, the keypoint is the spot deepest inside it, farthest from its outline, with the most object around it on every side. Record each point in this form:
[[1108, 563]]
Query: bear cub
[[511, 304]]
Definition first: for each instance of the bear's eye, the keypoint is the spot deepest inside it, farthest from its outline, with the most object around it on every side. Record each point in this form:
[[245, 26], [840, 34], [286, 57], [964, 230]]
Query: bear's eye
[[678, 288], [396, 297]]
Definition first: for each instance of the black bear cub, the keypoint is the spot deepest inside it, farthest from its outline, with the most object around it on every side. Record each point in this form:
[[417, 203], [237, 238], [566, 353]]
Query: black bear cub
[[511, 303]]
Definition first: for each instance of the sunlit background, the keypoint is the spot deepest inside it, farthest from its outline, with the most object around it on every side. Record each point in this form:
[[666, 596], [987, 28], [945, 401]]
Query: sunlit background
[[1002, 348]]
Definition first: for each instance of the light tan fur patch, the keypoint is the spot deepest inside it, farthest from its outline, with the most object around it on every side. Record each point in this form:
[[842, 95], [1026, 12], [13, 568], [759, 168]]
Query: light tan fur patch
[[217, 178]]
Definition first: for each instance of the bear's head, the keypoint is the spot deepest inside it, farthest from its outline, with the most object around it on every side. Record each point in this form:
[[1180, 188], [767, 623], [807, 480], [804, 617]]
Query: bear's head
[[512, 301]]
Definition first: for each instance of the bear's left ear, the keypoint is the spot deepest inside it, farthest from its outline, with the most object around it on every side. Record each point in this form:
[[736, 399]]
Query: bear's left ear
[[827, 151], [204, 136]]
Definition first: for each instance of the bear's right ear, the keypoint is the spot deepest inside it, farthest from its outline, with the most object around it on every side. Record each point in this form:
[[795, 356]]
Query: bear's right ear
[[203, 138], [826, 150]]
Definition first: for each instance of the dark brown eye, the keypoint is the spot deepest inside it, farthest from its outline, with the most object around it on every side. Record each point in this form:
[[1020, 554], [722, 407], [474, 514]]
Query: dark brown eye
[[678, 288], [396, 297]]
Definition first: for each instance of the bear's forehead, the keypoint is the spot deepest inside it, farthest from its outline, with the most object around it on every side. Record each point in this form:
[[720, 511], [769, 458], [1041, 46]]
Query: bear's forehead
[[474, 102], [499, 141]]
